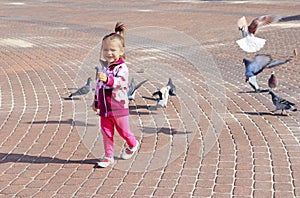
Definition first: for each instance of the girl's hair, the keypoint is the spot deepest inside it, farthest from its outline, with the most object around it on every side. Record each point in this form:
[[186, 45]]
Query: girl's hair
[[119, 33]]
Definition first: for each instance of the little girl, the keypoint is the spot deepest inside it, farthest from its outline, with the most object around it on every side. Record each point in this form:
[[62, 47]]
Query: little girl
[[111, 97]]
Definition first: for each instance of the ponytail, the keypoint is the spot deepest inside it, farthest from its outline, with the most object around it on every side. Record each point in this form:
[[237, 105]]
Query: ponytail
[[120, 30]]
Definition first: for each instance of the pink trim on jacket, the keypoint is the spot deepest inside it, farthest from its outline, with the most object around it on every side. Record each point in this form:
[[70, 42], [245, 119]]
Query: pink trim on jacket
[[112, 96]]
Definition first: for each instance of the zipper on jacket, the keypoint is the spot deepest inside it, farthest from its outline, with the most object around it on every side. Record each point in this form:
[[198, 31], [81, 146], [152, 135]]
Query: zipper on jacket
[[104, 100]]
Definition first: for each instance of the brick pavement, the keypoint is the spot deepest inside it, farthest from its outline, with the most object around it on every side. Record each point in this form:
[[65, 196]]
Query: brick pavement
[[215, 139]]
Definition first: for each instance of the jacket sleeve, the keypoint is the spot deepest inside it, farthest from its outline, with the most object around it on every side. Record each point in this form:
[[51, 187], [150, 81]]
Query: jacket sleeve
[[119, 79]]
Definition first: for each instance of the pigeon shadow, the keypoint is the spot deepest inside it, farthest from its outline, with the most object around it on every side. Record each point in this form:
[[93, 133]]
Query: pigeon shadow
[[291, 18], [149, 98], [261, 91], [133, 110], [68, 98], [23, 158], [138, 113], [263, 113], [69, 121], [132, 107], [164, 130]]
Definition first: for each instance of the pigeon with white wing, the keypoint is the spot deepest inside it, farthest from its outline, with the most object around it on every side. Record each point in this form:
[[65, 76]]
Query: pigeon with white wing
[[249, 42], [164, 93]]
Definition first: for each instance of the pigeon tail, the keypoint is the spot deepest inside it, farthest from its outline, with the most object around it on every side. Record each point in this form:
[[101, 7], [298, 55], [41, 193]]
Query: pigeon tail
[[250, 43]]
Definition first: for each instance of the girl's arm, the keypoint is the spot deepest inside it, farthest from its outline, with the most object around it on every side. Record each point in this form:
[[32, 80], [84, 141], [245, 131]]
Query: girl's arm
[[120, 79]]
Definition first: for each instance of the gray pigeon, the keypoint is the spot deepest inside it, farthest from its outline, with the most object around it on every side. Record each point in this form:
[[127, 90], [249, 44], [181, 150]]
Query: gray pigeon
[[172, 90], [132, 89], [257, 65], [103, 63], [281, 104], [164, 92], [83, 90], [97, 73]]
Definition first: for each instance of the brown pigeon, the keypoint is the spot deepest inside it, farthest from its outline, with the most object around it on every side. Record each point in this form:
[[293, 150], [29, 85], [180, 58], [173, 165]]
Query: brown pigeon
[[273, 81], [249, 42], [257, 23]]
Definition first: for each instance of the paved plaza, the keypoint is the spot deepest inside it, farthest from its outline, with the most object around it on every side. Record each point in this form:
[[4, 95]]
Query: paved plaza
[[216, 137]]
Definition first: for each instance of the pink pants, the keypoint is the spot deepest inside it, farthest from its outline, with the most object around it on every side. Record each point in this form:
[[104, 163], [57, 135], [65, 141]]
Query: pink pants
[[121, 123]]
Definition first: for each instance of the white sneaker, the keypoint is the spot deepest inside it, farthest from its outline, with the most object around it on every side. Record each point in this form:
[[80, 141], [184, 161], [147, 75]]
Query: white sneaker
[[105, 162], [128, 152]]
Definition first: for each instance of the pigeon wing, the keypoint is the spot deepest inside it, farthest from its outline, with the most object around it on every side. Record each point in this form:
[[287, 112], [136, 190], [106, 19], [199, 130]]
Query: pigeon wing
[[131, 87], [267, 19], [84, 90], [276, 63], [262, 21], [242, 23], [140, 84], [158, 92], [259, 63], [285, 102]]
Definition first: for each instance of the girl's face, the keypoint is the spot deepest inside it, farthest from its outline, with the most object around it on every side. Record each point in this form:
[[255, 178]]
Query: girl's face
[[112, 50]]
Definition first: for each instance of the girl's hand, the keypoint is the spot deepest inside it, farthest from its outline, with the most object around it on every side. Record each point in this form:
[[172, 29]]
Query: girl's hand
[[102, 77], [94, 107]]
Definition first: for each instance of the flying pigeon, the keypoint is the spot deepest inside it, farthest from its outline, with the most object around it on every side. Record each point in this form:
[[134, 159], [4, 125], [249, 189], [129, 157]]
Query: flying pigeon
[[164, 92], [257, 65], [249, 42], [132, 89], [273, 81], [281, 104], [83, 90]]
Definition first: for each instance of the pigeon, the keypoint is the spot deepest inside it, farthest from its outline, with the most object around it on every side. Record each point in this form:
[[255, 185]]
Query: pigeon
[[273, 81], [281, 104], [103, 63], [83, 90], [249, 42], [257, 65], [164, 93], [97, 73], [295, 52], [132, 89], [172, 90]]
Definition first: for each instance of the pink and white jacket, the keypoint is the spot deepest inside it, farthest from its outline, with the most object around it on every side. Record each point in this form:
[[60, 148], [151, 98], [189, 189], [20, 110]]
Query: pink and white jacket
[[111, 97]]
